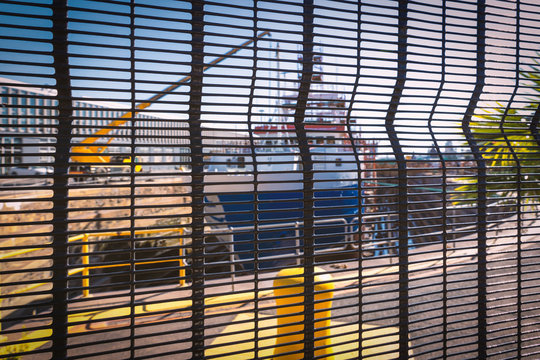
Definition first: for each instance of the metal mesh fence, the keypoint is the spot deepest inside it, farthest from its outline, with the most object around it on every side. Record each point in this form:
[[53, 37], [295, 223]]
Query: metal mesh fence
[[269, 179]]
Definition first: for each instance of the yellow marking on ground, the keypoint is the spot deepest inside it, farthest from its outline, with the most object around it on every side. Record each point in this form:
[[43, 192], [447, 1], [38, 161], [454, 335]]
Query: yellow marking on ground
[[177, 305], [27, 345], [169, 305], [111, 314], [241, 338]]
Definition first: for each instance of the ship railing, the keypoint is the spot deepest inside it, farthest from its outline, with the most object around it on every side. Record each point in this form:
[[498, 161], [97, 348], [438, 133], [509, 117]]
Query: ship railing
[[351, 238], [228, 238]]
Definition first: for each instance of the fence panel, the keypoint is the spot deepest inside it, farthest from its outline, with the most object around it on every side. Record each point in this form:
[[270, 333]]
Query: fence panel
[[269, 179]]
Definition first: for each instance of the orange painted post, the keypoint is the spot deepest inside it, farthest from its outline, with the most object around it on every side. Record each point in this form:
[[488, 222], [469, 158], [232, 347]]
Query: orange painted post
[[86, 269], [290, 309], [181, 259]]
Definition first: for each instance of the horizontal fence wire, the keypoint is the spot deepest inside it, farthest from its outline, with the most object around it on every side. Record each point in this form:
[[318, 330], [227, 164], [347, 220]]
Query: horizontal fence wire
[[269, 179]]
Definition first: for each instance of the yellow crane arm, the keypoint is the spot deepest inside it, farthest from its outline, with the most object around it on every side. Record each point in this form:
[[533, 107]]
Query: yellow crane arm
[[87, 149]]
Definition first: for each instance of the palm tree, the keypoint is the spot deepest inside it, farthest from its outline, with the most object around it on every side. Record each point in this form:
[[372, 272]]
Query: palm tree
[[510, 145]]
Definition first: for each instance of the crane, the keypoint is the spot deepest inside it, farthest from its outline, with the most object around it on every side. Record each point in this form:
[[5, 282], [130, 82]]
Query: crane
[[92, 158]]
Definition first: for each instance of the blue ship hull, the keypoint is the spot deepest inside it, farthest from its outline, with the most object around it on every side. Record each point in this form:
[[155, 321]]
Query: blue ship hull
[[280, 215]]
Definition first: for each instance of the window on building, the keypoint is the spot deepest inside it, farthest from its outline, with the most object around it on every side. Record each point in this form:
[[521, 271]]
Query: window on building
[[23, 102]]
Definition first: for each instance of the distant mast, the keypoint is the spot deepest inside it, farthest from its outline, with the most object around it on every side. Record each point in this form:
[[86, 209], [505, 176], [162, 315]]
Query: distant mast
[[326, 111]]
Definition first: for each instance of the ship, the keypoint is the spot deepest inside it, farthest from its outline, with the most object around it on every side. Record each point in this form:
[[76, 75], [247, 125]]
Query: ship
[[272, 197]]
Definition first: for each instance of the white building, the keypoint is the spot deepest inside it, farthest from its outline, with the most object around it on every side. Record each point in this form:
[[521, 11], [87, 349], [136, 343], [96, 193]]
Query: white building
[[28, 124]]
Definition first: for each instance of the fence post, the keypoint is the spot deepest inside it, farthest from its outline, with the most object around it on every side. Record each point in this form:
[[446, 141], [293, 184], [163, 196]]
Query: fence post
[[297, 241], [86, 269], [182, 271], [231, 260]]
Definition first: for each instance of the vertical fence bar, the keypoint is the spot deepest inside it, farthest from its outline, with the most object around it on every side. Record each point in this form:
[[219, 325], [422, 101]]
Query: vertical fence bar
[[444, 182], [307, 166], [481, 176], [354, 146], [86, 264], [132, 163], [253, 151], [232, 267], [181, 262], [297, 242], [403, 230], [519, 175], [535, 134], [197, 178], [60, 189]]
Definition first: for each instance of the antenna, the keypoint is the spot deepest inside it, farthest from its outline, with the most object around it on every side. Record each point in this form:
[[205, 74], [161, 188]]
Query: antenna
[[279, 110]]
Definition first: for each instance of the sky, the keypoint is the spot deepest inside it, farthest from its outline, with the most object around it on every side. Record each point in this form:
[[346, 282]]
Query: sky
[[358, 47]]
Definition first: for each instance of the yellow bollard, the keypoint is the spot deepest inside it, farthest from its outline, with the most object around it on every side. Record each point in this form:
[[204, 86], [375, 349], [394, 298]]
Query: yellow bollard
[[86, 264], [182, 271], [293, 304]]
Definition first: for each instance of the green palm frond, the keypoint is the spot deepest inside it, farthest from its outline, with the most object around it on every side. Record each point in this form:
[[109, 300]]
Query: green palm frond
[[510, 151]]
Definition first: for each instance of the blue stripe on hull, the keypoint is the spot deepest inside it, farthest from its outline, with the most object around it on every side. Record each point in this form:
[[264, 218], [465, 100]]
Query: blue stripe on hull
[[330, 207]]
